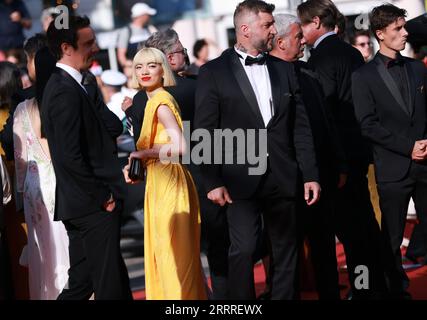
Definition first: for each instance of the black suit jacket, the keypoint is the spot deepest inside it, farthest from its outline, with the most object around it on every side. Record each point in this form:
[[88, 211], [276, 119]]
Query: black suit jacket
[[329, 151], [183, 93], [334, 61], [385, 120], [81, 137], [226, 100]]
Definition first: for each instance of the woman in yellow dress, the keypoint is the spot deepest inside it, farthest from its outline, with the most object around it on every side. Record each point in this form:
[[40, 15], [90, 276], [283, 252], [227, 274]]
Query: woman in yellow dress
[[173, 269]]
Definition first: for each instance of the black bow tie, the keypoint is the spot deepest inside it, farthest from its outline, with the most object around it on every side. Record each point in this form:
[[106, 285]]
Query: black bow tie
[[395, 62], [260, 59]]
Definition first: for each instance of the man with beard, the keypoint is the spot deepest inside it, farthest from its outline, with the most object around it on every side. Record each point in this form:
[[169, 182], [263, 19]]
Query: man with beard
[[246, 90]]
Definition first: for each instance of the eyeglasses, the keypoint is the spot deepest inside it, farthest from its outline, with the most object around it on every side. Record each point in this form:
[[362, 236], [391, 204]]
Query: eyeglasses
[[182, 51], [364, 44]]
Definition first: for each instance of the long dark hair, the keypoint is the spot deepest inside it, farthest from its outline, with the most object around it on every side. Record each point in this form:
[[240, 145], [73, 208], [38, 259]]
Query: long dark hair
[[10, 83], [44, 63]]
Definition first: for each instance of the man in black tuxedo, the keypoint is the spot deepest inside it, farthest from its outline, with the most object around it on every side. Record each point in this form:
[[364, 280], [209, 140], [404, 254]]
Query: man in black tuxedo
[[245, 90], [355, 225], [390, 104], [214, 228], [316, 220], [81, 134]]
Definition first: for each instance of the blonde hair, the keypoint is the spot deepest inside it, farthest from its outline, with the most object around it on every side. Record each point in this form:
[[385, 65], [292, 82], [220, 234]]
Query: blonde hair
[[152, 55]]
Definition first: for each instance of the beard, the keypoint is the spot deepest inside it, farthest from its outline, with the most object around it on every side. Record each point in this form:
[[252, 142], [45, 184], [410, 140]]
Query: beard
[[263, 45]]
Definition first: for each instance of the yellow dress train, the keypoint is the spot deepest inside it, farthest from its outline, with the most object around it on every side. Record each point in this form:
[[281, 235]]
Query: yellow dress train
[[173, 269]]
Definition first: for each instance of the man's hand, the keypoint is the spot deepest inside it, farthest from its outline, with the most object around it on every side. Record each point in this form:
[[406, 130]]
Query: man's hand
[[220, 196], [126, 104], [16, 16], [311, 192], [342, 180], [110, 205], [419, 152]]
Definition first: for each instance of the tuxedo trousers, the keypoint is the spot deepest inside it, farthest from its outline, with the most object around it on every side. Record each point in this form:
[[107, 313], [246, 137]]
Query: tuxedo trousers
[[359, 232], [96, 263], [245, 230], [394, 202], [214, 238], [317, 224]]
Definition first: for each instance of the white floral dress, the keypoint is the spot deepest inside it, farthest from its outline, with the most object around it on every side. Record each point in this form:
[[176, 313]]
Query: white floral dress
[[47, 248]]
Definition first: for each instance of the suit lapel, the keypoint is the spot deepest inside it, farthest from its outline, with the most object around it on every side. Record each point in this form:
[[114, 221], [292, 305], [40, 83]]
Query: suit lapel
[[246, 87], [391, 85], [275, 88], [410, 76], [84, 93]]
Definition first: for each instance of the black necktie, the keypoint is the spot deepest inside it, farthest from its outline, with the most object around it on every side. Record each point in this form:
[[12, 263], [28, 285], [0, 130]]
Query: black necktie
[[260, 59], [88, 79], [91, 86]]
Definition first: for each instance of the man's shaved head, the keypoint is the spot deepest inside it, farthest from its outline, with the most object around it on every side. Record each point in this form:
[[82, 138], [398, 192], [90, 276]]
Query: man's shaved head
[[247, 11]]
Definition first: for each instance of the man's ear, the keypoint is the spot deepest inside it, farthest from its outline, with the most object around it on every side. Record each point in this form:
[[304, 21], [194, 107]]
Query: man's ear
[[317, 22], [169, 58], [380, 34], [280, 43], [245, 29], [66, 48]]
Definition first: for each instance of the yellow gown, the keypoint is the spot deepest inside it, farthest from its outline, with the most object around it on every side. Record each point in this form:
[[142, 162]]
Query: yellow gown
[[173, 269]]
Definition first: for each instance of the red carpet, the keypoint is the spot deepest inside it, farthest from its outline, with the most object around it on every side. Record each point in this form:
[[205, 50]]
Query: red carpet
[[417, 276]]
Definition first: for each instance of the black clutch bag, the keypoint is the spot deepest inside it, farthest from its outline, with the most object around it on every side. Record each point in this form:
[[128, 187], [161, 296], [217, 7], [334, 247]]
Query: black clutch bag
[[136, 172]]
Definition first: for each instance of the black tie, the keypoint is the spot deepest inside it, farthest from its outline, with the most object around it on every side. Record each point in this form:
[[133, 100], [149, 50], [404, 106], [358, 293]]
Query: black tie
[[260, 59], [91, 86], [395, 62]]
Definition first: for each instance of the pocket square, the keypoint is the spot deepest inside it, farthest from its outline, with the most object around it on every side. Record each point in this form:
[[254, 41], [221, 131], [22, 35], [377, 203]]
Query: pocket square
[[421, 89]]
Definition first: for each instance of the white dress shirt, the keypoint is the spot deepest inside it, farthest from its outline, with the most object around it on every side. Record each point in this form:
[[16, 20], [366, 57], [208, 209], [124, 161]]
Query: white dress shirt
[[260, 81], [76, 75], [327, 34]]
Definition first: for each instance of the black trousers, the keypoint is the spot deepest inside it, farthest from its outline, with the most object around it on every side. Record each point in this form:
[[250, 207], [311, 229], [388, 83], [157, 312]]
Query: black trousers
[[96, 263], [418, 244], [394, 201], [317, 225], [214, 238], [359, 232], [216, 245], [245, 231]]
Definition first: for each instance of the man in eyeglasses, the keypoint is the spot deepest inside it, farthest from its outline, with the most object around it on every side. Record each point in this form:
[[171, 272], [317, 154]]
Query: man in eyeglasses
[[168, 42], [361, 40]]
